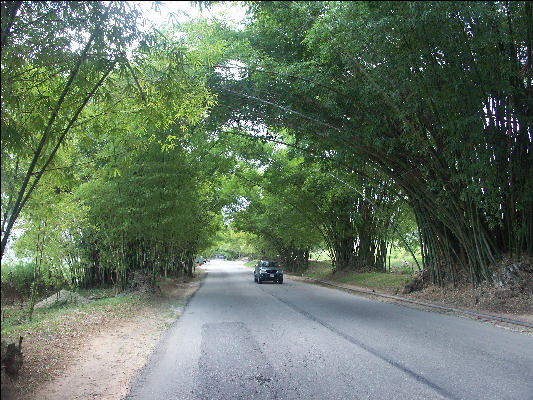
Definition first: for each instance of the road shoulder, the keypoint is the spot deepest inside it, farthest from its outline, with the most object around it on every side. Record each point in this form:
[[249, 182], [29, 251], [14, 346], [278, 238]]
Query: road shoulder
[[99, 358], [517, 322]]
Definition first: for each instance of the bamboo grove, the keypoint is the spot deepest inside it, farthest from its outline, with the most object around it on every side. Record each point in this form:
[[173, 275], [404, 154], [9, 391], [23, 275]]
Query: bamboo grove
[[348, 126], [102, 174], [437, 97]]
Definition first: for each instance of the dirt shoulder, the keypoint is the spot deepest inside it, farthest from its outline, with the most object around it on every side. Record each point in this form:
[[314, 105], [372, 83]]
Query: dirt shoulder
[[96, 354], [465, 298]]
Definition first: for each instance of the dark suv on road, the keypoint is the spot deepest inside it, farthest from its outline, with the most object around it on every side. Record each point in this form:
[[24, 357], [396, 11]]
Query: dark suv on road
[[268, 271]]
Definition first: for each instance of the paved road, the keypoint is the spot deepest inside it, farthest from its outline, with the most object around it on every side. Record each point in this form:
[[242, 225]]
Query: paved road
[[241, 340]]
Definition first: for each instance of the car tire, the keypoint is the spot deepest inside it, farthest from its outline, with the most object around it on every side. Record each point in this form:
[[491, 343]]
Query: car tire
[[259, 280], [280, 281]]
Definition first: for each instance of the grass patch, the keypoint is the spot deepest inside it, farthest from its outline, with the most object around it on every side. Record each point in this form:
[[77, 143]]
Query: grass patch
[[318, 269], [251, 263], [384, 281], [402, 259], [320, 256], [401, 272], [377, 280], [15, 322]]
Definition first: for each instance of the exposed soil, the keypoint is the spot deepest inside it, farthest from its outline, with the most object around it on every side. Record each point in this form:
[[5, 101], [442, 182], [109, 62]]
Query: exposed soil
[[96, 354], [509, 296], [459, 298], [487, 299]]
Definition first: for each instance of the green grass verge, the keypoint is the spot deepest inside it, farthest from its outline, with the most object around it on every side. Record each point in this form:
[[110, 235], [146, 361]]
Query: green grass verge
[[399, 259], [391, 282], [377, 280], [15, 322], [402, 259], [384, 281], [388, 282]]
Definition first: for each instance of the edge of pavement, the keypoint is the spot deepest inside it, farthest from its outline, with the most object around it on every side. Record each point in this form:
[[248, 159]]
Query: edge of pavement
[[432, 306]]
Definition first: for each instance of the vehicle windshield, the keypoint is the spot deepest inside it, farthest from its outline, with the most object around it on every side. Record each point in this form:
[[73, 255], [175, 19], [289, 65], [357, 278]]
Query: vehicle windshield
[[270, 264]]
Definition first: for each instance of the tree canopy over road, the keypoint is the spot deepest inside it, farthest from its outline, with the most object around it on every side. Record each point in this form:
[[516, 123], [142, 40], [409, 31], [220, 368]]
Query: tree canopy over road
[[348, 126]]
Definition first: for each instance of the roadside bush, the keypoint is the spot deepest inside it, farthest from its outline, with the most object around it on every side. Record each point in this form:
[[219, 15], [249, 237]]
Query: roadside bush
[[20, 274]]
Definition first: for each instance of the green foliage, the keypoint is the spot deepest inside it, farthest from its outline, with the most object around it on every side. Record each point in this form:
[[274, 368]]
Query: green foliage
[[51, 319], [349, 126], [56, 57], [20, 273], [156, 215], [109, 172], [370, 280], [72, 73], [402, 260], [432, 98], [275, 210], [233, 244]]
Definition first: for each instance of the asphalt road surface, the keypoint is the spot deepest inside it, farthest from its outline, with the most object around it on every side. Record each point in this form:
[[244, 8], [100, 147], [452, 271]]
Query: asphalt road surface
[[240, 340]]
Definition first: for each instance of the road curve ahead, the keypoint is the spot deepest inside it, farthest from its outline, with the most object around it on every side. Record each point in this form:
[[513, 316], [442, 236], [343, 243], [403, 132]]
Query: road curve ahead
[[240, 340]]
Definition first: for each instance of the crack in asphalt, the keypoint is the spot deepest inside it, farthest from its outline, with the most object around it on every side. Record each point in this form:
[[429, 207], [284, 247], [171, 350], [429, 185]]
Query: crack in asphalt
[[232, 365], [419, 378]]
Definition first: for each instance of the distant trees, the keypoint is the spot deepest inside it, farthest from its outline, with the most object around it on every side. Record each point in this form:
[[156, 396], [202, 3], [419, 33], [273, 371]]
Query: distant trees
[[233, 244], [278, 212], [294, 205]]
